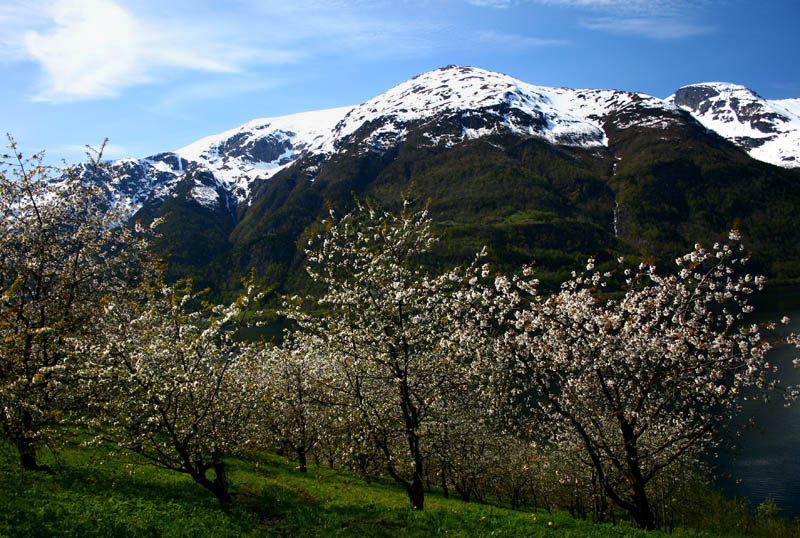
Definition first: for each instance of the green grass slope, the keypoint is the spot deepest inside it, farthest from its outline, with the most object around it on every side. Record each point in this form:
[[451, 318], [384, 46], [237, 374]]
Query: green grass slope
[[85, 494]]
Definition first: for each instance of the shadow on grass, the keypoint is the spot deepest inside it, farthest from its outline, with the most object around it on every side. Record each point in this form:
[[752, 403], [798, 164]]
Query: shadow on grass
[[86, 495]]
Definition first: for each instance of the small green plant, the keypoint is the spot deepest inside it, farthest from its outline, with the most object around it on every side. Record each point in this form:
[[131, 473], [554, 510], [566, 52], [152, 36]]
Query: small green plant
[[768, 507]]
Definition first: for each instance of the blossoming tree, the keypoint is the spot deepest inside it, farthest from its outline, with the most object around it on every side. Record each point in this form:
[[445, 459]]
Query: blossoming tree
[[173, 384], [62, 254], [387, 330], [640, 380], [293, 402]]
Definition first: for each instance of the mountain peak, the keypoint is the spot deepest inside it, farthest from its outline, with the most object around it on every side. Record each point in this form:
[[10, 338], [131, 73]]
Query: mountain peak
[[768, 130], [261, 148], [558, 115], [722, 87], [699, 97]]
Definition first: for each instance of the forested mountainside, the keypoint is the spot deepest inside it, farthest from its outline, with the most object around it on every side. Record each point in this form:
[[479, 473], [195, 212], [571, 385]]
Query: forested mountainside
[[535, 173]]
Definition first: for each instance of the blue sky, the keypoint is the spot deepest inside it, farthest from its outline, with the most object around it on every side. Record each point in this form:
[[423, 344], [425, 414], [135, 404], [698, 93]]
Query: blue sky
[[156, 75]]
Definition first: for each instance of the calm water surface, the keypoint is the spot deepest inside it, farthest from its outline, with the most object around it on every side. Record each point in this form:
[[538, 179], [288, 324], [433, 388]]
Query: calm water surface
[[768, 462]]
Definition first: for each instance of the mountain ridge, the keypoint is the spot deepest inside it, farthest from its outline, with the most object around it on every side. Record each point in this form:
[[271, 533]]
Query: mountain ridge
[[257, 150], [536, 173]]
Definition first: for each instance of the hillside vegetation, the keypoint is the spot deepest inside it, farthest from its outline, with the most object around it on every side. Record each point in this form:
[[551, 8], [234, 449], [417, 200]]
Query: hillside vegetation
[[601, 398], [650, 195], [85, 494]]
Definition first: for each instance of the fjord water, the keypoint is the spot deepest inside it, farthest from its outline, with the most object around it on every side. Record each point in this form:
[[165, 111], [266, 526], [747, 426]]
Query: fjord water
[[768, 462]]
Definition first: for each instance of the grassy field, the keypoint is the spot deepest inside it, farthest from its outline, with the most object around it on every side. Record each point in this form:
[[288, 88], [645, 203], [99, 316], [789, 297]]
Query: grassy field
[[84, 494]]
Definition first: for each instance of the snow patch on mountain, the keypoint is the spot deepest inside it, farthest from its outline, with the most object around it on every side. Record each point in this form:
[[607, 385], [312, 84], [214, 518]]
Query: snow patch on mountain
[[205, 195], [487, 101], [455, 89], [129, 183], [791, 105]]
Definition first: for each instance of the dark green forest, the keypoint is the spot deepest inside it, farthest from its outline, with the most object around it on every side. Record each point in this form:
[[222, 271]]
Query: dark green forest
[[651, 194]]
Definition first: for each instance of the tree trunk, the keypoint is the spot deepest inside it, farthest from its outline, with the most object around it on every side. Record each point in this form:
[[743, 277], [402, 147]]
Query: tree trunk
[[301, 458], [600, 505], [220, 485], [27, 455], [198, 471], [416, 493], [463, 490], [26, 446], [416, 489], [223, 496], [642, 514]]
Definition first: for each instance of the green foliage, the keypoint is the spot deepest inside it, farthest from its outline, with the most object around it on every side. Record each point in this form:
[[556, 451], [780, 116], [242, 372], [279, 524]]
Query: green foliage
[[519, 197], [687, 186], [698, 505], [195, 241]]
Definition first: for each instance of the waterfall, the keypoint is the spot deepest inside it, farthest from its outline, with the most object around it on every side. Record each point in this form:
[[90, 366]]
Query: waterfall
[[616, 203]]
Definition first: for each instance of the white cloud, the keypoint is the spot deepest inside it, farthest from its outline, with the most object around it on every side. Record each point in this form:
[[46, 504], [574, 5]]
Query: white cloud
[[78, 152], [359, 28], [89, 49], [656, 19], [639, 6], [169, 103], [16, 17]]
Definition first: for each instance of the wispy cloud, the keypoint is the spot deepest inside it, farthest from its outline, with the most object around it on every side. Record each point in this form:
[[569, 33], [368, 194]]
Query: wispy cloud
[[517, 41], [501, 4], [78, 152], [217, 89], [16, 18], [653, 27], [640, 6], [359, 28], [95, 48], [89, 49], [656, 19]]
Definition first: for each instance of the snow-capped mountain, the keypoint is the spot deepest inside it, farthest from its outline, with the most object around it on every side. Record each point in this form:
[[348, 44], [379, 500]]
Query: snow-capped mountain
[[533, 172], [488, 102], [448, 106], [768, 130], [233, 160], [261, 148], [135, 181]]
